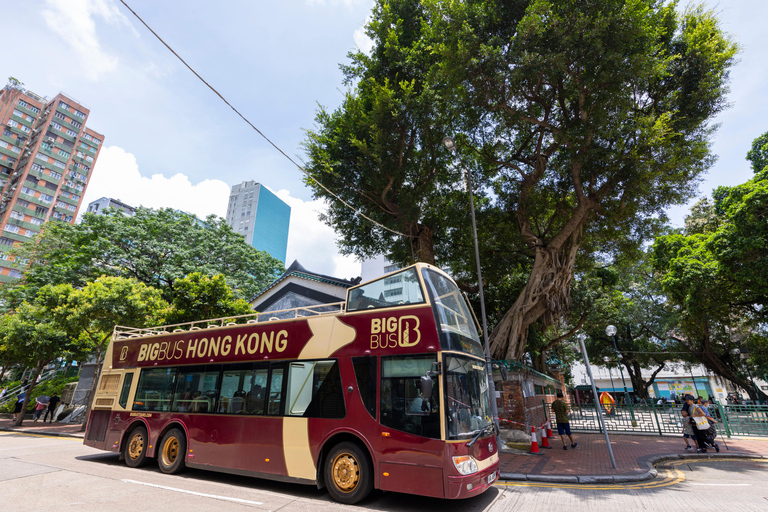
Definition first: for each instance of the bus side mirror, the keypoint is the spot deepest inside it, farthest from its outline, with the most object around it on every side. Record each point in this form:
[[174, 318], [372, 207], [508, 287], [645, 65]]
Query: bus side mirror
[[425, 386]]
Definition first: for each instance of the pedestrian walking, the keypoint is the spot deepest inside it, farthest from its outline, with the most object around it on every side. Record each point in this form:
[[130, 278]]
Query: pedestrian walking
[[52, 403], [703, 426], [561, 418], [39, 407], [19, 404], [688, 433]]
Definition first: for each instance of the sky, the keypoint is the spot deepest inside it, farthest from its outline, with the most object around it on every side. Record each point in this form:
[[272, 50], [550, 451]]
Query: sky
[[171, 142]]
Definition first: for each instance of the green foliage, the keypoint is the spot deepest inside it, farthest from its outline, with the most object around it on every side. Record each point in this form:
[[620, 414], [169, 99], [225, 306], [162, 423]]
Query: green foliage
[[91, 313], [381, 151], [156, 247], [758, 155], [715, 274], [197, 297], [580, 123]]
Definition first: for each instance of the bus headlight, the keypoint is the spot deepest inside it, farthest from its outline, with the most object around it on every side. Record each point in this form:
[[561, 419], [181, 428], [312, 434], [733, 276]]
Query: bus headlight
[[465, 464]]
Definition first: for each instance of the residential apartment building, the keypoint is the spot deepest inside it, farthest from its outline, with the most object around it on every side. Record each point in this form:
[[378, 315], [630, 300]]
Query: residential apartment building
[[261, 217], [100, 205], [46, 157]]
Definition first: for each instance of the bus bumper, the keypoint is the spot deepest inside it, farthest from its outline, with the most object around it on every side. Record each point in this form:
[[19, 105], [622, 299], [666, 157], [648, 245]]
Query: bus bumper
[[460, 487]]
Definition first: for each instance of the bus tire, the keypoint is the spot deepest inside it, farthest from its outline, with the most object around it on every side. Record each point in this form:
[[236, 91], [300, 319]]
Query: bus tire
[[135, 447], [348, 473], [172, 452]]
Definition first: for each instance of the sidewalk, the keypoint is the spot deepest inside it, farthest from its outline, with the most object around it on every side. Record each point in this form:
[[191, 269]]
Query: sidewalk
[[589, 463], [46, 429], [634, 455]]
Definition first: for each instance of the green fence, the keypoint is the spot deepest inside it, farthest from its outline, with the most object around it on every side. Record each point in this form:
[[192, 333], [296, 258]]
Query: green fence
[[737, 420]]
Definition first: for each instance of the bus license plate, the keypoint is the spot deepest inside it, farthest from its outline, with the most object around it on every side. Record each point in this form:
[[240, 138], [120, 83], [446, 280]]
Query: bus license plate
[[491, 477]]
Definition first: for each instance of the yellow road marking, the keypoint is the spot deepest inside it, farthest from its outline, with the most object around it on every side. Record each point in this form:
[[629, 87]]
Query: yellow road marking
[[670, 477], [29, 434]]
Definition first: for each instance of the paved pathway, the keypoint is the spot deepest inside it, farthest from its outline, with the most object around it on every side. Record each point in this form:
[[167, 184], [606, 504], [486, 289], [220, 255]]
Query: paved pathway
[[633, 453]]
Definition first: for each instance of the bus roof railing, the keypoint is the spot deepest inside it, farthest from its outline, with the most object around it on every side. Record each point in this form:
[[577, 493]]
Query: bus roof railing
[[122, 332]]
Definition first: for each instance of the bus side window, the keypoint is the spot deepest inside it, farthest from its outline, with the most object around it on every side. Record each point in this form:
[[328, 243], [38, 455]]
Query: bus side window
[[365, 372], [127, 381], [152, 392], [275, 402]]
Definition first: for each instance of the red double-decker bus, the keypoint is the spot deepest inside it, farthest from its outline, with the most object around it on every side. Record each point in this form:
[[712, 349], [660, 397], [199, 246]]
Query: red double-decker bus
[[387, 390]]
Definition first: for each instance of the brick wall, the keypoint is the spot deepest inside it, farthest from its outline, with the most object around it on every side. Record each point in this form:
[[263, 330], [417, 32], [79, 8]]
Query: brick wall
[[520, 412]]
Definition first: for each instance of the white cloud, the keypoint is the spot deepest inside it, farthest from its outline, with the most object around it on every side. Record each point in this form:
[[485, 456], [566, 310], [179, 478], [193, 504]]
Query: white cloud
[[74, 21], [362, 41], [116, 175], [313, 242]]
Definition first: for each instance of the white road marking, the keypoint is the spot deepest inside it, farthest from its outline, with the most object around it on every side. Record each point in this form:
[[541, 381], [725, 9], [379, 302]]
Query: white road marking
[[214, 496], [726, 485]]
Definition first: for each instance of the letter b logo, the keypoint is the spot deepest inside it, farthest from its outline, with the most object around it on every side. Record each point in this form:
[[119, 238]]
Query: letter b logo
[[408, 329]]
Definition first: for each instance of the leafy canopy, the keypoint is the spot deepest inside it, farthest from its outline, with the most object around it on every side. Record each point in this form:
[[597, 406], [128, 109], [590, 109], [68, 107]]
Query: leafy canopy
[[155, 247]]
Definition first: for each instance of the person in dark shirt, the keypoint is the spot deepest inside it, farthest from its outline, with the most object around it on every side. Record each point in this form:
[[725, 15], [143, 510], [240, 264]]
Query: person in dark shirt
[[52, 403], [561, 418]]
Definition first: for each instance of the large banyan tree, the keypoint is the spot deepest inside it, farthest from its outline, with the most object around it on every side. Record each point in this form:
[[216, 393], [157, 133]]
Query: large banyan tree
[[580, 120]]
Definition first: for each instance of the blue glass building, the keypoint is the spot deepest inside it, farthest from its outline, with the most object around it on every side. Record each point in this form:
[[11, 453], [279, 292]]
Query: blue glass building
[[261, 217]]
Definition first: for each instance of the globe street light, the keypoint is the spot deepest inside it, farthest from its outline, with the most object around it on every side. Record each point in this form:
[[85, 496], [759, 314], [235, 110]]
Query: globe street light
[[611, 331], [450, 145]]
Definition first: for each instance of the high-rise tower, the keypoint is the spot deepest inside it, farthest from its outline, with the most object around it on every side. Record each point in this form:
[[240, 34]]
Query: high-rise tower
[[260, 216], [46, 157]]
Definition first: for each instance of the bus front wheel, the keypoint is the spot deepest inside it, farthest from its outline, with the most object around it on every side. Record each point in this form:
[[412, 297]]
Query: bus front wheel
[[348, 473], [173, 448], [135, 448]]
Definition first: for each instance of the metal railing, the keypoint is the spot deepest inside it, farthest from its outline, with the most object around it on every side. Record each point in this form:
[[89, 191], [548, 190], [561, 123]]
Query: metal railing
[[665, 419], [121, 332]]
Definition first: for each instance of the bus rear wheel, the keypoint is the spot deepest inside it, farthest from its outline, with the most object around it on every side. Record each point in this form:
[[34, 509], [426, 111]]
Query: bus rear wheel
[[135, 448], [348, 473], [173, 449]]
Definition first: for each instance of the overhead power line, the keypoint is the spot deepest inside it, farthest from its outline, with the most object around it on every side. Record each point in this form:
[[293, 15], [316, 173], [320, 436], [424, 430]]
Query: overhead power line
[[217, 93]]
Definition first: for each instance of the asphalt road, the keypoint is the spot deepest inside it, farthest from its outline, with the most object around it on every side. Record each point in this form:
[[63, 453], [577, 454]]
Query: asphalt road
[[40, 473]]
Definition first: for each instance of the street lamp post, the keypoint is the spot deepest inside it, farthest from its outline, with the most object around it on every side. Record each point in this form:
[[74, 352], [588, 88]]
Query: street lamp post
[[611, 331], [450, 145], [594, 393], [743, 357], [610, 373]]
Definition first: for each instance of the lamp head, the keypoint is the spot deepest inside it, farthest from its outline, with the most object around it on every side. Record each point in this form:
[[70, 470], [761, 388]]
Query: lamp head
[[610, 330], [449, 144]]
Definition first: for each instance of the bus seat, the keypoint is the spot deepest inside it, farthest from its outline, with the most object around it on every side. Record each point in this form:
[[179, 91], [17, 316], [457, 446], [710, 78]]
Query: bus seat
[[236, 404]]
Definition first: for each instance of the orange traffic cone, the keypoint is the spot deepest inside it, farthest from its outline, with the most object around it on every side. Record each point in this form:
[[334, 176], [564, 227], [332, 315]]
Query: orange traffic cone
[[534, 444], [544, 440], [549, 429]]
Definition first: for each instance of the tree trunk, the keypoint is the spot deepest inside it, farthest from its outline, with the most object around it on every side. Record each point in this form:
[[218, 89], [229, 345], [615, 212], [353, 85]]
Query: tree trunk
[[546, 294], [30, 387], [423, 245]]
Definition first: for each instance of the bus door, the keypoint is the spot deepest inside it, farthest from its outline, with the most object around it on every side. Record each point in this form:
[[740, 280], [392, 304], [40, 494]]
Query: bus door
[[411, 453]]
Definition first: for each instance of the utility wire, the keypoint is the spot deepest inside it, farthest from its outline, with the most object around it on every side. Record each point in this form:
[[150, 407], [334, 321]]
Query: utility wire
[[217, 93]]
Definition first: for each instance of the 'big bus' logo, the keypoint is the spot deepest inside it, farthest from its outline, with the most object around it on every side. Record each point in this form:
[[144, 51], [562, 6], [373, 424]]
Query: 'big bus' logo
[[391, 332]]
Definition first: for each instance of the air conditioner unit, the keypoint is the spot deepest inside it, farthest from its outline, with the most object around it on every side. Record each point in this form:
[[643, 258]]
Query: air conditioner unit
[[50, 139]]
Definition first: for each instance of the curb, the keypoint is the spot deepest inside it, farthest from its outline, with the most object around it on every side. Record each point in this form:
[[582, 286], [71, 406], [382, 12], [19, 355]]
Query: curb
[[650, 474], [44, 433]]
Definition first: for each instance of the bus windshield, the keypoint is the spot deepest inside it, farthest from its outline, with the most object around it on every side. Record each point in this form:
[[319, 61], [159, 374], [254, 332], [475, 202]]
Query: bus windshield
[[455, 324], [466, 397]]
